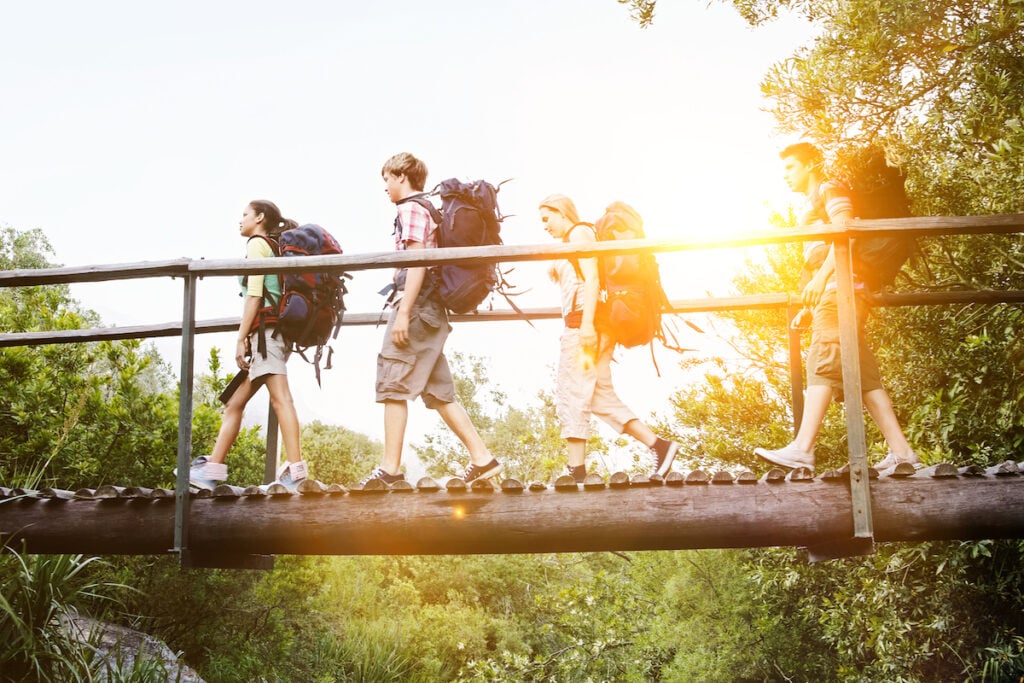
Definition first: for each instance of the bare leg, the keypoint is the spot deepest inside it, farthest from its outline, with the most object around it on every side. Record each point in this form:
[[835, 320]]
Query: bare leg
[[231, 421], [396, 415], [641, 432], [816, 402], [288, 420], [880, 407], [457, 419], [577, 450]]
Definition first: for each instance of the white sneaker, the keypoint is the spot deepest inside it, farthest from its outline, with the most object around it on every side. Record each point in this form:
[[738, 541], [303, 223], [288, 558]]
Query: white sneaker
[[890, 461], [788, 456], [291, 474], [204, 474]]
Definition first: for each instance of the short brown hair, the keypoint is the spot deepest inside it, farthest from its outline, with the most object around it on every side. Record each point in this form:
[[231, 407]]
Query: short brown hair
[[409, 166], [805, 153]]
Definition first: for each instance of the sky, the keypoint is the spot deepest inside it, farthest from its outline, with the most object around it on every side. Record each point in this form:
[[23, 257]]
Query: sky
[[134, 131]]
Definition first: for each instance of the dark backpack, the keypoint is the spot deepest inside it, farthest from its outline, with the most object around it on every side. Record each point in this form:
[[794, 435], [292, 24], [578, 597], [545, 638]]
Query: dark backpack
[[469, 217], [311, 306], [877, 191], [633, 300]]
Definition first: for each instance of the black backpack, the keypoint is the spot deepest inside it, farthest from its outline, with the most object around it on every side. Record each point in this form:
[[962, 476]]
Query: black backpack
[[877, 191], [311, 307], [469, 217]]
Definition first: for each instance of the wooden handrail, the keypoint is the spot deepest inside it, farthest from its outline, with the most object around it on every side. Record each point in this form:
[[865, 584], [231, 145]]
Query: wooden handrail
[[916, 226], [681, 306]]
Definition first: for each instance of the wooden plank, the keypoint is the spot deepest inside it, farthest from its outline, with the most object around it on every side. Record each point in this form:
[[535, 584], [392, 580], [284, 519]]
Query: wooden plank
[[97, 273], [918, 225], [849, 342], [681, 306], [809, 513]]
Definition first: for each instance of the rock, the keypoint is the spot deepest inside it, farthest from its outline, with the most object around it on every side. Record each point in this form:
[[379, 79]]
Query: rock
[[120, 646]]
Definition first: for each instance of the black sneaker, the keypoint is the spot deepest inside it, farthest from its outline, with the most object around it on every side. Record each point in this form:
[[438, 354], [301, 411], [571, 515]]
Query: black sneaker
[[579, 472], [381, 474], [664, 453], [474, 472]]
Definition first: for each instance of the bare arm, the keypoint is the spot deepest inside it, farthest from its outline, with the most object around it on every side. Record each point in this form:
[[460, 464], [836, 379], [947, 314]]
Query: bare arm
[[250, 309], [414, 278], [840, 211]]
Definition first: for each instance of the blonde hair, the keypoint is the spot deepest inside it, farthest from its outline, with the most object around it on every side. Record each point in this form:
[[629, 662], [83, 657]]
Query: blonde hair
[[563, 205]]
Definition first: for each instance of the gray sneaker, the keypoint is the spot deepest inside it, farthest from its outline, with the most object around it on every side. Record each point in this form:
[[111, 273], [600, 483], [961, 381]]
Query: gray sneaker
[[788, 456]]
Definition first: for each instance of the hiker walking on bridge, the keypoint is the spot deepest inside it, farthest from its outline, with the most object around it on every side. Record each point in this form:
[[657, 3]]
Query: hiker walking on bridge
[[830, 202], [584, 381], [411, 362], [261, 356]]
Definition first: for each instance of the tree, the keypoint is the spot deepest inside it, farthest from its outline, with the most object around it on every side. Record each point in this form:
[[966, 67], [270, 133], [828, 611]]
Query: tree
[[940, 85]]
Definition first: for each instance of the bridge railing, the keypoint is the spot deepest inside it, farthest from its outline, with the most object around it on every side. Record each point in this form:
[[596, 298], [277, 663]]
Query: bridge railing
[[190, 271]]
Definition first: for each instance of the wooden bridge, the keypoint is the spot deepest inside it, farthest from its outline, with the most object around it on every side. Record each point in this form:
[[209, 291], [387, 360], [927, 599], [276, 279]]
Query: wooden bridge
[[837, 513]]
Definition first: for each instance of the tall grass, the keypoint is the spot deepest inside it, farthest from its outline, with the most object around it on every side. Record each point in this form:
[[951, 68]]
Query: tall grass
[[38, 598]]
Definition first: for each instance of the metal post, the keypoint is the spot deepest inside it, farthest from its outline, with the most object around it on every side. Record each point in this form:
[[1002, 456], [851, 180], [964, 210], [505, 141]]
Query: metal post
[[849, 343], [796, 369], [181, 491], [270, 470]]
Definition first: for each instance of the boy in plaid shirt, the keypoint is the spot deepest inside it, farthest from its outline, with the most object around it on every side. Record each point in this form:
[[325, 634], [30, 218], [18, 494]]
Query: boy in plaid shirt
[[411, 362]]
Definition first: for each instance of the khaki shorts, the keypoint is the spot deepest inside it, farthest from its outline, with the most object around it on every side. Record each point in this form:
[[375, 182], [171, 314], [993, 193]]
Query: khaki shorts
[[419, 369], [277, 356], [824, 357]]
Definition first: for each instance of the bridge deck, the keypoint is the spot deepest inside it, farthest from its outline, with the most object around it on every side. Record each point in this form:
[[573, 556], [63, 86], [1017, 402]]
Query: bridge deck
[[694, 510]]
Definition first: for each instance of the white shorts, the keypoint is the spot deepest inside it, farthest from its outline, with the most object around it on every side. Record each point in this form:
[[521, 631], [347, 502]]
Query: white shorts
[[581, 393]]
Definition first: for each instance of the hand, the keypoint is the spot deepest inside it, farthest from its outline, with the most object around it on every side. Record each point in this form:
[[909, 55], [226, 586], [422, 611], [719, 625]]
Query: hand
[[242, 353], [588, 344], [400, 329], [813, 291]]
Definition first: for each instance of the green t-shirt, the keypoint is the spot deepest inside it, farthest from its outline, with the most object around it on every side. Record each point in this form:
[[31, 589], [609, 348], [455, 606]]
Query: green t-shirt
[[268, 286]]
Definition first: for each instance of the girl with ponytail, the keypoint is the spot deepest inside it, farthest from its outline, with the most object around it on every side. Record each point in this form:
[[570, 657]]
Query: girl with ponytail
[[261, 224]]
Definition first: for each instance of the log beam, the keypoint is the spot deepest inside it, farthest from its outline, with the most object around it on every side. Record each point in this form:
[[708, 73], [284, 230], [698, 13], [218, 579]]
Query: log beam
[[430, 521]]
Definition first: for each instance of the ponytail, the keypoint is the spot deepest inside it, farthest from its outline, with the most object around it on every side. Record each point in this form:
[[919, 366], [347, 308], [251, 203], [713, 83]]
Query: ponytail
[[274, 223]]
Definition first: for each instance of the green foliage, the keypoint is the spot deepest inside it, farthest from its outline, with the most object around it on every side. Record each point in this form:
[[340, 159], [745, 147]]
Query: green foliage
[[908, 613], [34, 599], [640, 11], [39, 598], [337, 454]]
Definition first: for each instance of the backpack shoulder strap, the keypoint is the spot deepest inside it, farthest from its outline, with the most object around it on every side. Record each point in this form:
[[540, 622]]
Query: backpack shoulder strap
[[567, 238], [274, 245], [275, 248], [422, 200]]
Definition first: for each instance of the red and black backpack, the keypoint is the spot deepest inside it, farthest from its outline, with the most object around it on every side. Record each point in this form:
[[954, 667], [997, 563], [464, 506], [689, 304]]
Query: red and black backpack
[[311, 306]]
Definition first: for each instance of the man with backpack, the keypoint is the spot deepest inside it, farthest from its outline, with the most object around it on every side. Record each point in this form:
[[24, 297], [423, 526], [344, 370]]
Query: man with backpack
[[830, 202], [411, 362], [584, 381]]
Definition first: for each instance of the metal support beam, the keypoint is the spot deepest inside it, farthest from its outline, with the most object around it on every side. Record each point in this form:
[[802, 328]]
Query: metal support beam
[[270, 468], [796, 369], [181, 497], [849, 342]]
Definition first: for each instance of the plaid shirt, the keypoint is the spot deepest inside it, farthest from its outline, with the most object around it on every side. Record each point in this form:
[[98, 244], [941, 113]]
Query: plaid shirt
[[417, 226]]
